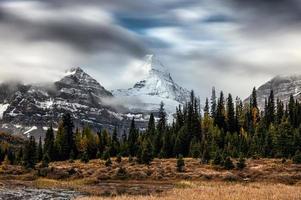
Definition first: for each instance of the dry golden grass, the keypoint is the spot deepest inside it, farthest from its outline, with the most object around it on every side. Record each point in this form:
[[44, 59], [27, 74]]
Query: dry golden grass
[[221, 191], [96, 179]]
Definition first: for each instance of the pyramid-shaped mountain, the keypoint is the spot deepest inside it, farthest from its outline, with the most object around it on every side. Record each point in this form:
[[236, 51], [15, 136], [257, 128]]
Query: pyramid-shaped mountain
[[158, 86]]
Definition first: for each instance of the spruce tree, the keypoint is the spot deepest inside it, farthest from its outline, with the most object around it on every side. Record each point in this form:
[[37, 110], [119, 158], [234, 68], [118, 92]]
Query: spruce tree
[[132, 139], [84, 157], [30, 153], [270, 116], [49, 143], [220, 112], [40, 151], [45, 160], [206, 108], [231, 124], [213, 104], [228, 164], [115, 145], [180, 163], [146, 155], [151, 128], [241, 164], [161, 128]]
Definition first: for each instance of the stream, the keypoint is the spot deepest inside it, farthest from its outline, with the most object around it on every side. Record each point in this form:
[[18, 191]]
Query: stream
[[36, 194]]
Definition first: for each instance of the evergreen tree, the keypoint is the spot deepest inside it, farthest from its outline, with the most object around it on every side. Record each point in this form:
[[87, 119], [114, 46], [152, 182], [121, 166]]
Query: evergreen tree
[[206, 108], [231, 123], [30, 153], [220, 113], [115, 145], [297, 157], [213, 104], [253, 99], [133, 139], [40, 151], [49, 143], [180, 163], [195, 148], [228, 164], [270, 112], [85, 157], [151, 128], [161, 128], [241, 164], [146, 155], [45, 160]]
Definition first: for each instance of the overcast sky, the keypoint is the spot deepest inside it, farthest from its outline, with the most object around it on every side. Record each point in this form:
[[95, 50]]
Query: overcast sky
[[230, 44]]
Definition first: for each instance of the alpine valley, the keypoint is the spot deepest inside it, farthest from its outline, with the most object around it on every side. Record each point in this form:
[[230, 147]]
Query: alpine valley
[[29, 109]]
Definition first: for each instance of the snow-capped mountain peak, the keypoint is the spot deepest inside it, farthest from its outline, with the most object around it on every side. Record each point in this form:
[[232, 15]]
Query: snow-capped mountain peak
[[153, 65], [157, 86]]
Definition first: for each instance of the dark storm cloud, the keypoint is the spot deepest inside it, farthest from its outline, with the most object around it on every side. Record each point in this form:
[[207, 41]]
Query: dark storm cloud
[[228, 39], [83, 36], [267, 16]]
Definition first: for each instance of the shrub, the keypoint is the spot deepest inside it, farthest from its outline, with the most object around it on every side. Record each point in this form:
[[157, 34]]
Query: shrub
[[45, 160], [98, 155], [205, 157], [108, 162], [131, 159], [119, 158], [241, 164], [297, 157], [84, 157], [180, 163], [122, 173], [217, 160], [228, 164], [106, 155]]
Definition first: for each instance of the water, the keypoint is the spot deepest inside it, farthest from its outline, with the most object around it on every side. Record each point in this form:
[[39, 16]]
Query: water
[[36, 194]]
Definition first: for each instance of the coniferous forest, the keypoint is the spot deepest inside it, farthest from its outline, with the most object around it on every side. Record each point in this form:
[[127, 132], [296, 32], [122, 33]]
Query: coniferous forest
[[227, 128]]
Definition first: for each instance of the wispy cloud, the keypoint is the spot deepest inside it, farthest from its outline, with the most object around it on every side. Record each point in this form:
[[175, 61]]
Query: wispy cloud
[[203, 43]]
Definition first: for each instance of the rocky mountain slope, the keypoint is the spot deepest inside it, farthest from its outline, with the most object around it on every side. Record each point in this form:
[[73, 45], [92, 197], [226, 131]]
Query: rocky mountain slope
[[157, 86], [283, 87], [30, 109]]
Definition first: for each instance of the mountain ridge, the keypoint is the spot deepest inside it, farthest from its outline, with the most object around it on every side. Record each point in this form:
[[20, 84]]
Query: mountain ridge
[[283, 87]]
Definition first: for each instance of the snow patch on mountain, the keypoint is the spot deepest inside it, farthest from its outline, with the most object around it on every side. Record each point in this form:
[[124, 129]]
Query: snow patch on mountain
[[27, 133], [3, 108]]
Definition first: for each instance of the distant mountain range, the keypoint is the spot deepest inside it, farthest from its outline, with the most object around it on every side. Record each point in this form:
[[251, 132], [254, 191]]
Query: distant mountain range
[[30, 109], [282, 86]]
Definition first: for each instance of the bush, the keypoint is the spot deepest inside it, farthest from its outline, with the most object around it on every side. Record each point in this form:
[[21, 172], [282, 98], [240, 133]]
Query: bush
[[131, 159], [297, 157], [228, 164], [122, 173], [180, 163], [84, 158], [119, 158], [45, 160], [217, 160], [205, 157], [241, 164], [98, 155], [108, 162], [106, 155]]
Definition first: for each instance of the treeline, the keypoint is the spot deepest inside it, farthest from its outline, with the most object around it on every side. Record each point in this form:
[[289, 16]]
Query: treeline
[[226, 129]]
